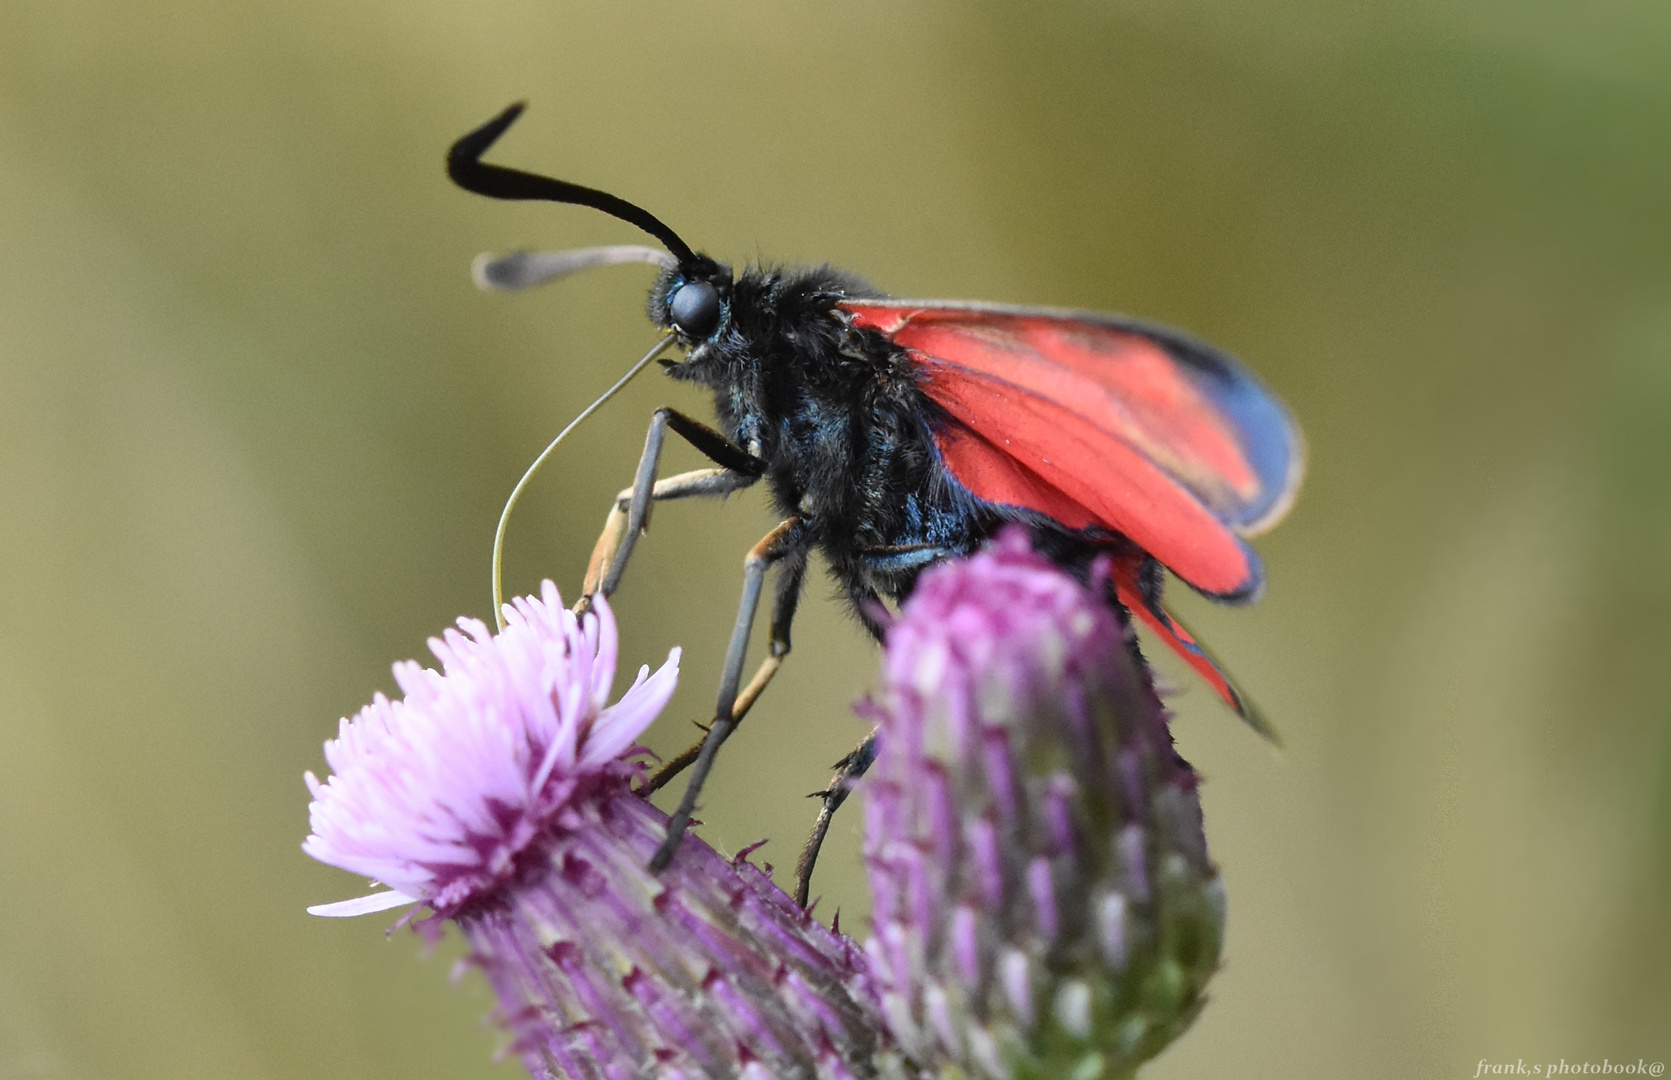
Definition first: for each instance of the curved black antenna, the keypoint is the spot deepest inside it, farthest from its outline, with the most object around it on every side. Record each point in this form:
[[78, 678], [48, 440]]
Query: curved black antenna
[[465, 166]]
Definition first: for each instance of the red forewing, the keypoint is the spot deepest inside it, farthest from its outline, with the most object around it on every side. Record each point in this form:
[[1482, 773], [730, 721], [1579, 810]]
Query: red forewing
[[1126, 572], [1095, 420]]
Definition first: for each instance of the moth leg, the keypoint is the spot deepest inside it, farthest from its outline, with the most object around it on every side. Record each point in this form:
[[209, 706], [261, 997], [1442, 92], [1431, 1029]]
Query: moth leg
[[630, 516], [788, 597], [871, 611], [848, 770], [791, 574], [698, 482], [787, 540]]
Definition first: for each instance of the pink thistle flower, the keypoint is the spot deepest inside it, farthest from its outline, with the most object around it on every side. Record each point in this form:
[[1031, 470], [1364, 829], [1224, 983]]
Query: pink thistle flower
[[499, 792], [437, 795], [1044, 903]]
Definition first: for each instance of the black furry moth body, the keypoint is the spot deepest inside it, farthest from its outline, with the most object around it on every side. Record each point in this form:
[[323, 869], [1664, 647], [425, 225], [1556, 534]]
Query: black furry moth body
[[892, 434]]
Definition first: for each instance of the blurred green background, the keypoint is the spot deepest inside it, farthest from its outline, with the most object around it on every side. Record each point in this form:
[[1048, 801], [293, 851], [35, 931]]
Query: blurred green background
[[256, 427]]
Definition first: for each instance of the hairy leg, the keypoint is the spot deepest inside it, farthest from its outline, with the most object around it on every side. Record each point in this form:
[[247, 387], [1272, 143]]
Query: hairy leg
[[788, 540], [630, 515], [848, 770]]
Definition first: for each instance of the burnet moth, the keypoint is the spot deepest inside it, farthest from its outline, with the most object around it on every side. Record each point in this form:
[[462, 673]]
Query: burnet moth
[[895, 433]]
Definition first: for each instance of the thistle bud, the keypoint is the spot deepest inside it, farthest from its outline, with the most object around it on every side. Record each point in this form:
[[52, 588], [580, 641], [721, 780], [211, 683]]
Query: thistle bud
[[499, 792], [1044, 903]]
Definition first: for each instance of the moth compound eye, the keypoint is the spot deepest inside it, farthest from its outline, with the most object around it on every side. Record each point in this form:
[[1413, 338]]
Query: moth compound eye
[[695, 309]]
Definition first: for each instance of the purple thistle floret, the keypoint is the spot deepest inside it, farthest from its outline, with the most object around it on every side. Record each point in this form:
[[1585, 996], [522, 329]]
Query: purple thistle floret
[[1044, 903], [438, 795], [499, 792]]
